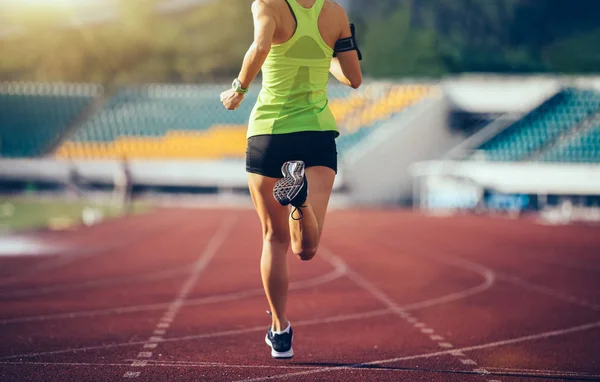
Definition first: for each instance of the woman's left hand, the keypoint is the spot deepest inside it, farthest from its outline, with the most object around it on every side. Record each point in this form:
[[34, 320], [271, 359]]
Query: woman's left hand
[[231, 99]]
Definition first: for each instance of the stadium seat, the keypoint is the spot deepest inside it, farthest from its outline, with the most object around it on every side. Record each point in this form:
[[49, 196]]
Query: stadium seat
[[553, 119], [185, 122], [34, 115], [583, 147]]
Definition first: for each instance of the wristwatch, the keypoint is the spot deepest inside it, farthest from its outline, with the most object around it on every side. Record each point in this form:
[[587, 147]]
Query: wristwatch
[[237, 86]]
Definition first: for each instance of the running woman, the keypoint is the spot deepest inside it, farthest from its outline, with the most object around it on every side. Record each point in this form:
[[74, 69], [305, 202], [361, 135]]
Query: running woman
[[291, 155]]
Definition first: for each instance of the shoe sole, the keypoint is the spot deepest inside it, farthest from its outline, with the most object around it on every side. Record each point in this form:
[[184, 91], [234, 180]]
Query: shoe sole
[[289, 187]]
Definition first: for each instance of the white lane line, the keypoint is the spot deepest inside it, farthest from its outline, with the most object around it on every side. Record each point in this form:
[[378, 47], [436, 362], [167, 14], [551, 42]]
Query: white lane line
[[137, 363], [261, 328], [561, 295], [159, 332], [186, 364], [338, 272], [150, 346], [489, 345], [562, 373], [152, 276], [205, 257], [436, 337], [81, 254], [381, 296]]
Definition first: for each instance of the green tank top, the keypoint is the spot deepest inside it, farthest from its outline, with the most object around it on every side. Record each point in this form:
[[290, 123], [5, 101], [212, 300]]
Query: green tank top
[[293, 97]]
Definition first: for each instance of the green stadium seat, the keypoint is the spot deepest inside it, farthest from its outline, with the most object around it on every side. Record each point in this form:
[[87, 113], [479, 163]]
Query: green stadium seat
[[543, 125], [34, 115]]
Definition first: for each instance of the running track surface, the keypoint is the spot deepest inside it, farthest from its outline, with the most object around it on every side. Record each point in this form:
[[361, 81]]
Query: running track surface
[[391, 296]]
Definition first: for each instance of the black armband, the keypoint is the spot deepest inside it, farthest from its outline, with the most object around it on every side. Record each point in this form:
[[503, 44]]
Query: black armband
[[347, 44]]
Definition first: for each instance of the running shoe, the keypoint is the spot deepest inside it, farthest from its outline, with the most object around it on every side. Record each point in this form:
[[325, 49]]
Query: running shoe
[[281, 344], [293, 188]]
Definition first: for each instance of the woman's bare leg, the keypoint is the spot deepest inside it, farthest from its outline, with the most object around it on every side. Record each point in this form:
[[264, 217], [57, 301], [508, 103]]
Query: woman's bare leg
[[276, 241], [306, 232]]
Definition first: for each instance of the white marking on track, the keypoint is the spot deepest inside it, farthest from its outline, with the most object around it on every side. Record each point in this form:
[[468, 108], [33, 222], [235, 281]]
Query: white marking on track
[[181, 364], [159, 332], [445, 345], [436, 337], [489, 345], [132, 374], [150, 346], [548, 291], [468, 362], [205, 257], [163, 325], [81, 254], [237, 332], [138, 363], [338, 272], [427, 330]]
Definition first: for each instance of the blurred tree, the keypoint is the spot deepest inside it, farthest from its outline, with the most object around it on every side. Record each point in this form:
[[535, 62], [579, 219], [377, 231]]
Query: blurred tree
[[141, 46], [399, 38], [477, 36]]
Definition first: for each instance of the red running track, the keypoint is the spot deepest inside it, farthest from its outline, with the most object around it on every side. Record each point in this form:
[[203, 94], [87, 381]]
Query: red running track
[[392, 296]]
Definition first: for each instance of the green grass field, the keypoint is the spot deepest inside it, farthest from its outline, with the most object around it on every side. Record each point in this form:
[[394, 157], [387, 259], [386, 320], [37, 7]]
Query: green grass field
[[24, 214]]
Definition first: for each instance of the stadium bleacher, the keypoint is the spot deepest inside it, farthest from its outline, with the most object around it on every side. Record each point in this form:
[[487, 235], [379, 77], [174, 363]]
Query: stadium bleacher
[[583, 147], [35, 115], [175, 122], [543, 126]]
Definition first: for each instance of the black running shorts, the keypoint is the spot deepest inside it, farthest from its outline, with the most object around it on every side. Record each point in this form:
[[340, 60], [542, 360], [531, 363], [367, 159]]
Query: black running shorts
[[265, 154]]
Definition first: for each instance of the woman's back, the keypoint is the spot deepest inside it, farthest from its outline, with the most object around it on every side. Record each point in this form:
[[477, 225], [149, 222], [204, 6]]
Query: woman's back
[[296, 71]]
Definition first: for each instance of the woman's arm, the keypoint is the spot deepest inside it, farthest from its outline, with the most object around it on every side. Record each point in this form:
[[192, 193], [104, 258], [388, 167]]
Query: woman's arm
[[346, 66], [264, 28]]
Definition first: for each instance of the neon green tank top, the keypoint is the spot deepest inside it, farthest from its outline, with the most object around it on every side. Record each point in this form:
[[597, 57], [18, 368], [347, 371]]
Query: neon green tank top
[[295, 75]]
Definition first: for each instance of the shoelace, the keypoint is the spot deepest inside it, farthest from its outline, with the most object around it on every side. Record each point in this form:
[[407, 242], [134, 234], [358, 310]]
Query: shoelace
[[299, 210]]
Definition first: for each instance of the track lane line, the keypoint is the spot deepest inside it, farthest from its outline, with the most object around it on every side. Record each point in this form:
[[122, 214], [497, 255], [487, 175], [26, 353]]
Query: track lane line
[[212, 247], [335, 274], [319, 321], [544, 335]]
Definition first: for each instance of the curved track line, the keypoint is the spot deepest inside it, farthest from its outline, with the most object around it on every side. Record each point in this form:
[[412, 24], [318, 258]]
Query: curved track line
[[555, 293], [151, 276], [489, 345], [488, 275], [552, 374], [261, 328], [338, 272], [80, 254]]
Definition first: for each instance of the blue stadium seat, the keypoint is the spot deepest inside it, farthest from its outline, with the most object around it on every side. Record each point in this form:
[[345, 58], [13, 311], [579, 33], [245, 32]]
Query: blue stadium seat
[[581, 148], [543, 125], [152, 111], [35, 115]]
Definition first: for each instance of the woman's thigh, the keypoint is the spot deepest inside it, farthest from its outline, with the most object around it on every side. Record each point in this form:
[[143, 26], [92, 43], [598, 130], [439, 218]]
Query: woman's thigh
[[320, 184], [273, 216]]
